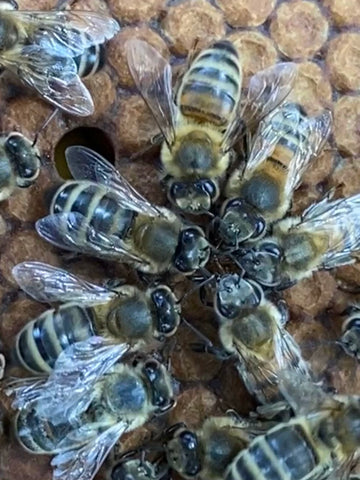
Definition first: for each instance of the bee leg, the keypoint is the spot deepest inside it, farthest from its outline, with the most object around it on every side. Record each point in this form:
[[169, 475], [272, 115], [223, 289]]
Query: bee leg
[[113, 283], [284, 311], [219, 353], [63, 4]]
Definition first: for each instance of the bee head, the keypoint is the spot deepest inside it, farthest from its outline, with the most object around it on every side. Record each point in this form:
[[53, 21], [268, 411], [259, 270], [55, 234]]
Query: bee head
[[192, 251], [263, 263], [183, 451], [24, 158], [196, 153], [193, 197], [240, 222], [234, 294], [166, 310], [159, 381]]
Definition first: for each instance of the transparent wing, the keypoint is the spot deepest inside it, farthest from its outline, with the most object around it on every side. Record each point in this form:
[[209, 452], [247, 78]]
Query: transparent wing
[[48, 284], [268, 89], [152, 76], [66, 33], [339, 221], [83, 463], [54, 77], [264, 142], [69, 389], [85, 164], [288, 355], [314, 132], [302, 393], [70, 231]]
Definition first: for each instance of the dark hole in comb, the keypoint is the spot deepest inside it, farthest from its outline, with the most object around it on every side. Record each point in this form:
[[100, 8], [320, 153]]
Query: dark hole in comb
[[89, 137]]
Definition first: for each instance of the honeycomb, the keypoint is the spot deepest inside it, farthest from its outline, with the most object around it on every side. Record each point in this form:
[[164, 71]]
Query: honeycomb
[[323, 39]]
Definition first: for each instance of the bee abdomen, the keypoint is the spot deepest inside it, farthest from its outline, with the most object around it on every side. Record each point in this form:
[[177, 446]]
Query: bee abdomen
[[41, 341], [211, 88], [91, 61], [97, 205], [283, 454], [38, 435]]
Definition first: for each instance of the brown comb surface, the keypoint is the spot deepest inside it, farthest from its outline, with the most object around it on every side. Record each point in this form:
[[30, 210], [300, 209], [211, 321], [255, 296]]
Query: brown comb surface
[[322, 37]]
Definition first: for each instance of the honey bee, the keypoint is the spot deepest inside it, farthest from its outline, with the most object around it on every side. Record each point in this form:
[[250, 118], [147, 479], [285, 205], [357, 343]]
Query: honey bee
[[350, 338], [19, 164], [252, 330], [88, 402], [49, 51], [321, 442], [206, 452], [124, 314], [110, 219], [204, 122], [325, 236], [261, 193]]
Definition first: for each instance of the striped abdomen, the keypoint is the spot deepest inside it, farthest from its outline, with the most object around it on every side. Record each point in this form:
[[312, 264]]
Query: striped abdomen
[[99, 207], [91, 61], [41, 341], [210, 90], [288, 121], [38, 435], [285, 453]]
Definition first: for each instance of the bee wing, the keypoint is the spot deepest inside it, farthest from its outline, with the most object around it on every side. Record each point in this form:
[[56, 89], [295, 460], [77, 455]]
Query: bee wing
[[84, 462], [339, 220], [152, 76], [70, 231], [66, 33], [85, 164], [315, 131], [267, 90], [69, 389], [49, 284], [263, 144], [55, 78]]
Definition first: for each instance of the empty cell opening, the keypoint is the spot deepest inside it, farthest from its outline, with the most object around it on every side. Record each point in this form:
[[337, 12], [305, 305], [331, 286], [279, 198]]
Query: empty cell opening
[[89, 137]]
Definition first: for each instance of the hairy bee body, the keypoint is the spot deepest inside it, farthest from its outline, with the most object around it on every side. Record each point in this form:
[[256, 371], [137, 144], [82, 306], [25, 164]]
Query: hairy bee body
[[122, 315], [263, 348], [261, 193], [308, 447], [126, 394], [265, 188], [326, 236], [157, 241], [50, 50], [206, 452], [19, 163]]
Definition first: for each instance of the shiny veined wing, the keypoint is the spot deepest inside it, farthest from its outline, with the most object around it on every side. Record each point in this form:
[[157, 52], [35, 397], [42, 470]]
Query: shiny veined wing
[[267, 89], [48, 284], [268, 134], [314, 132], [84, 462], [66, 33], [339, 221], [303, 395], [257, 375], [69, 389], [70, 231], [85, 164], [2, 366], [153, 78], [55, 78], [288, 354]]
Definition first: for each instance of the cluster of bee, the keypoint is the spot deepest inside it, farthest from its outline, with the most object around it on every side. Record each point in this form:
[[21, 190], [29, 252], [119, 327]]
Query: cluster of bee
[[97, 376]]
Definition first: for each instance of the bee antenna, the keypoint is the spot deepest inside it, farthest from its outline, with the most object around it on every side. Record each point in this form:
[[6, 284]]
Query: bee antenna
[[44, 125], [199, 334], [204, 282]]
